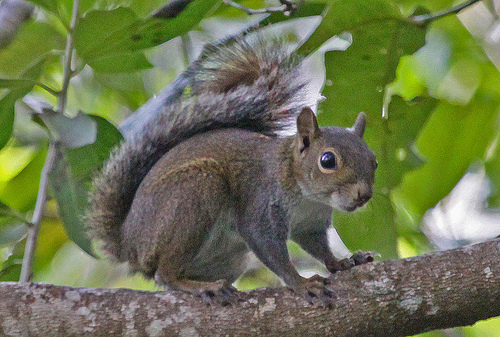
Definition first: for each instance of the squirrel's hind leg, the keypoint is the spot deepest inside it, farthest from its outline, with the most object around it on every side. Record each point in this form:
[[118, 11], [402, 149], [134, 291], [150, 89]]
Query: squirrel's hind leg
[[219, 290], [192, 236]]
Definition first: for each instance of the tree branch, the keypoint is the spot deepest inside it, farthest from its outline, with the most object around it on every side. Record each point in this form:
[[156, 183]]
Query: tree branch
[[68, 57], [29, 249], [32, 236], [287, 7], [390, 298], [425, 19]]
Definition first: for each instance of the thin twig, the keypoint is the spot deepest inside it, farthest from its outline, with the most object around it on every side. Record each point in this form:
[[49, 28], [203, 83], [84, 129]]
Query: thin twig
[[48, 89], [287, 7], [29, 249], [61, 104], [34, 83], [425, 19], [12, 213]]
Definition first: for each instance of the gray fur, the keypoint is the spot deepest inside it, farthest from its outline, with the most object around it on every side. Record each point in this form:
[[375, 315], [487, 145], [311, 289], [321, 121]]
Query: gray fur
[[254, 86]]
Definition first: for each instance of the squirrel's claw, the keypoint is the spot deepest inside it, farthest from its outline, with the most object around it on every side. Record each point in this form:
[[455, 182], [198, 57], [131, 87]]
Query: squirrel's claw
[[363, 257], [356, 259], [313, 289], [225, 295]]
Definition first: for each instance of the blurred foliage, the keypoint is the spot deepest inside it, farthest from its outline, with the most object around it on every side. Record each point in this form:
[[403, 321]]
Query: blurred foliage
[[435, 85]]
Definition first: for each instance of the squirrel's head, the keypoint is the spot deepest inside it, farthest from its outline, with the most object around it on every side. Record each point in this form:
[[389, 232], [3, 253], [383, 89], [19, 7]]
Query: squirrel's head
[[333, 165]]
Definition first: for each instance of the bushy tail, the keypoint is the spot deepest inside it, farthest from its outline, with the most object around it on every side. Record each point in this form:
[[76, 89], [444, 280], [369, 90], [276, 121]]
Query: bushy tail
[[233, 84]]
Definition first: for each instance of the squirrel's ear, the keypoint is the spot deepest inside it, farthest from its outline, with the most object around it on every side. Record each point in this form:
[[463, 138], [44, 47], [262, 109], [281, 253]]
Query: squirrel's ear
[[307, 128], [359, 125]]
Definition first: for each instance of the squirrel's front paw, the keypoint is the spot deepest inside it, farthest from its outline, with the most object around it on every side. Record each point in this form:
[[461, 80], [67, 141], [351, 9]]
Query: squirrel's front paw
[[356, 259], [313, 289], [363, 257]]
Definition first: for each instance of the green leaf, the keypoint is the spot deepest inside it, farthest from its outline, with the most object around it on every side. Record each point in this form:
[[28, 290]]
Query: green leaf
[[108, 53], [356, 80], [16, 83], [397, 136], [11, 231], [71, 197], [4, 209], [452, 140], [367, 67], [85, 160], [129, 86], [72, 175], [152, 32], [86, 139], [33, 42], [110, 41], [50, 5], [7, 117], [346, 15], [305, 10], [7, 103], [124, 62], [464, 127], [27, 181], [7, 213], [13, 159], [407, 85], [98, 32], [11, 267], [63, 8], [12, 225]]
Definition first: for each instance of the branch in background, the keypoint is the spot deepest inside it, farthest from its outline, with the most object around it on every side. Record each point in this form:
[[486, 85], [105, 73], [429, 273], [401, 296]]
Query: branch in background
[[12, 14], [391, 298], [29, 249], [425, 19], [32, 236], [4, 82], [287, 7], [68, 56]]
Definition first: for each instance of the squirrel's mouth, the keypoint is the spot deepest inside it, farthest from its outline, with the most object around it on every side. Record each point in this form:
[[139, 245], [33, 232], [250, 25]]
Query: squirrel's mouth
[[351, 208], [344, 206]]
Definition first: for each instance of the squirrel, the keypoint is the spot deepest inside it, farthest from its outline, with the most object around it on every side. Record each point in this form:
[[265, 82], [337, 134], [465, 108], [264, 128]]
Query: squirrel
[[210, 179]]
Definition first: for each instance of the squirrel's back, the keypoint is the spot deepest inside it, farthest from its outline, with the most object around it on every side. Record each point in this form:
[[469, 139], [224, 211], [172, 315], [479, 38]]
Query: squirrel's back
[[235, 83]]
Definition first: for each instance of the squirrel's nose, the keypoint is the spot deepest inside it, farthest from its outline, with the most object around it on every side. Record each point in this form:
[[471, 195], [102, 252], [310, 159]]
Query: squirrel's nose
[[364, 194]]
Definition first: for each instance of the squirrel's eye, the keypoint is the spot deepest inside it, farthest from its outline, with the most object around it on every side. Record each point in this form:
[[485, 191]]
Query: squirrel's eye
[[328, 160]]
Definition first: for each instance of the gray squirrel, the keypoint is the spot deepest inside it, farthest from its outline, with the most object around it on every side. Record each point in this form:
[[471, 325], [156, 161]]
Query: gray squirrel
[[209, 179]]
